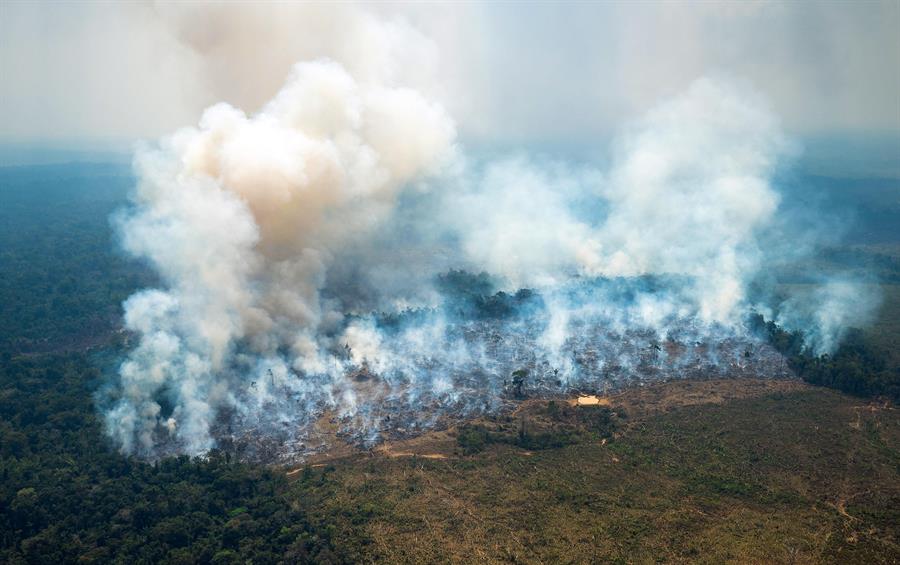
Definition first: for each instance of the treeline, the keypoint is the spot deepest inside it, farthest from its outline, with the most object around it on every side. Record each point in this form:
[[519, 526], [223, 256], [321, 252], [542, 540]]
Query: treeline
[[474, 297], [857, 367], [68, 497]]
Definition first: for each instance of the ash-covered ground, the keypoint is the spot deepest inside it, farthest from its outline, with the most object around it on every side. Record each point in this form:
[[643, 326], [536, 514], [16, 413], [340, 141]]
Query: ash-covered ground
[[482, 354]]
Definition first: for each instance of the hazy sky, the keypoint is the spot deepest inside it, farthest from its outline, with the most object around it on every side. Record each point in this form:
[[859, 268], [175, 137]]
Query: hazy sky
[[508, 72]]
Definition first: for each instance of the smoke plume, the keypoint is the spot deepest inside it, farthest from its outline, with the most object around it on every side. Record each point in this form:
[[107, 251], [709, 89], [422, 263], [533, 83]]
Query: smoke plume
[[241, 217], [320, 259]]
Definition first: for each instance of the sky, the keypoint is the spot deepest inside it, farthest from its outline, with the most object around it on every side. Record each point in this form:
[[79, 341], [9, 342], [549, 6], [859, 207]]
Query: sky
[[99, 74]]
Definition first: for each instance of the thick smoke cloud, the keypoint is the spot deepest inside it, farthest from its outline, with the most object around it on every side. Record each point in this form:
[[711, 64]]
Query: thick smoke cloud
[[687, 194], [241, 217], [307, 254]]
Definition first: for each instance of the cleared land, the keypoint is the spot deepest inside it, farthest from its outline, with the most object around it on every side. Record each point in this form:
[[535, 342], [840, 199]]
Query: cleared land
[[718, 471]]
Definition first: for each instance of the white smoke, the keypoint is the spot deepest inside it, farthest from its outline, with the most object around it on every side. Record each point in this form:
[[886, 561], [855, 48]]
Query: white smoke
[[517, 219], [691, 190], [825, 312], [688, 192], [241, 217], [278, 234]]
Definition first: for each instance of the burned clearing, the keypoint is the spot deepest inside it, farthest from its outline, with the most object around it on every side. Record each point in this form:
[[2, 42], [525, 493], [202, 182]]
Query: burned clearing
[[481, 357], [393, 408]]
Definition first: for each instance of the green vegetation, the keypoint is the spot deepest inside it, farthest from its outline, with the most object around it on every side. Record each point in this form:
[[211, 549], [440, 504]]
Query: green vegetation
[[61, 279], [810, 475], [857, 367], [66, 497]]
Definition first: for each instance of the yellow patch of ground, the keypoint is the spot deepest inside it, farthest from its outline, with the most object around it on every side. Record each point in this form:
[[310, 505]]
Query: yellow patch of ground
[[589, 400]]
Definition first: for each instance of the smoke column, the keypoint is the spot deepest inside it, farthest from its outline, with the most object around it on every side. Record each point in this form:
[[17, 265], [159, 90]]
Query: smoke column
[[241, 217], [307, 256]]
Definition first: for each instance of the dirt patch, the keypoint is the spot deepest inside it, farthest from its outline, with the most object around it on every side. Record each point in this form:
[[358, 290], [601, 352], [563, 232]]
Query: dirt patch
[[590, 400]]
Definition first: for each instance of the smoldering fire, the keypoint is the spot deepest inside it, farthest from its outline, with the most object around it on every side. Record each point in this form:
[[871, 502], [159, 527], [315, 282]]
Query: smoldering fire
[[316, 257]]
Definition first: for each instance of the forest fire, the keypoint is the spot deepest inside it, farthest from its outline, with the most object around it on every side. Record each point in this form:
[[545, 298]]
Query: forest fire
[[319, 257], [405, 388]]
